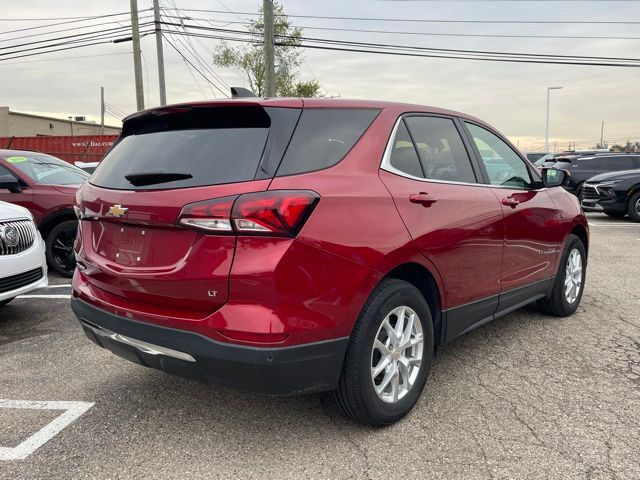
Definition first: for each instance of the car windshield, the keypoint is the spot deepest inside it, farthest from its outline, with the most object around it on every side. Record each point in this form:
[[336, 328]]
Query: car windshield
[[47, 169]]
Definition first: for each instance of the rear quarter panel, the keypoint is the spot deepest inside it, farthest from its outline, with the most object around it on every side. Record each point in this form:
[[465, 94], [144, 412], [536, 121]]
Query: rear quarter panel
[[355, 225]]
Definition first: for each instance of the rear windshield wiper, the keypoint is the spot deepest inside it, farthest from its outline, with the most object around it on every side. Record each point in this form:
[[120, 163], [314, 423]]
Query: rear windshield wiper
[[152, 178]]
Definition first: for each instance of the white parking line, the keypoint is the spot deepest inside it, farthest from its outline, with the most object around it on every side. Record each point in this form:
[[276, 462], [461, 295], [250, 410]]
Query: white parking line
[[603, 224], [44, 296], [73, 410], [59, 286]]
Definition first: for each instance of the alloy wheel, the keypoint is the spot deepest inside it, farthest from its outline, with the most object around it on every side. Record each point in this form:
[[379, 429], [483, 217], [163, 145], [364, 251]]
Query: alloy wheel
[[396, 354], [62, 249], [573, 276]]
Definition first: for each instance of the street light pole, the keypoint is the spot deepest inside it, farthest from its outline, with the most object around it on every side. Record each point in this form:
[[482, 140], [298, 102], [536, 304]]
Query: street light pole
[[546, 129]]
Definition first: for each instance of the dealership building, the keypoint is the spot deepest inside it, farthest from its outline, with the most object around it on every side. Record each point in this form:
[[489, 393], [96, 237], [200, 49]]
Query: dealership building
[[17, 124]]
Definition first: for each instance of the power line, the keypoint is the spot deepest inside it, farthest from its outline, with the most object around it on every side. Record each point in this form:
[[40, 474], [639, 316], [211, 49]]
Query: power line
[[93, 36], [196, 55], [73, 47], [428, 34], [115, 109], [112, 30], [68, 29], [457, 57], [68, 22], [415, 48], [42, 19], [194, 67], [191, 50], [424, 20], [434, 54], [67, 58]]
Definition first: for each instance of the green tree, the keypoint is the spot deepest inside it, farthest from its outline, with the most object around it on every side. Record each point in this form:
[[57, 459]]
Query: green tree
[[249, 59]]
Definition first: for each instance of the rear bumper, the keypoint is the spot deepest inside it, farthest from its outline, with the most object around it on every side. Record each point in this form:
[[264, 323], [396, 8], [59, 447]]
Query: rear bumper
[[297, 369]]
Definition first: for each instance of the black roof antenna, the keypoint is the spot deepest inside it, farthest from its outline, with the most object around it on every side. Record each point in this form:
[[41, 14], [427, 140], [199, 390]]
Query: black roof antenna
[[239, 92]]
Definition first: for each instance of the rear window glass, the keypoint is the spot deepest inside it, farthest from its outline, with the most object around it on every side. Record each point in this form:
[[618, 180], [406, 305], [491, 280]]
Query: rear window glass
[[206, 146], [323, 137]]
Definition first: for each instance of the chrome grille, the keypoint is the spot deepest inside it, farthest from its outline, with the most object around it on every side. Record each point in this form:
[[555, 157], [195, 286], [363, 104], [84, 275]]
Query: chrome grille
[[26, 236], [589, 193]]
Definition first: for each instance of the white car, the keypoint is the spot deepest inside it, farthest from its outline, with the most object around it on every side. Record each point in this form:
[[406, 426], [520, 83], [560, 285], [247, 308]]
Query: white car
[[22, 262]]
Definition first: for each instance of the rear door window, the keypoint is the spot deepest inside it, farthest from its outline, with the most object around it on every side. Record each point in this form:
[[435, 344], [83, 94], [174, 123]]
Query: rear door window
[[197, 147], [323, 138], [440, 148]]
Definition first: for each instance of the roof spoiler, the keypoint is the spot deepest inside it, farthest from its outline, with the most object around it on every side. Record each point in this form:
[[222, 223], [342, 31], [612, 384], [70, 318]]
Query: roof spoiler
[[239, 92]]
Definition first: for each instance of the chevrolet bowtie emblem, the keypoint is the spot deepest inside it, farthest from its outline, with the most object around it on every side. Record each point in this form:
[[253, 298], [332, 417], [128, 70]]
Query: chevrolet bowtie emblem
[[118, 211]]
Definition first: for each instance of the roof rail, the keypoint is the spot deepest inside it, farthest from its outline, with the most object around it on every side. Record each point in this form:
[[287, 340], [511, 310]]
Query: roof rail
[[239, 92]]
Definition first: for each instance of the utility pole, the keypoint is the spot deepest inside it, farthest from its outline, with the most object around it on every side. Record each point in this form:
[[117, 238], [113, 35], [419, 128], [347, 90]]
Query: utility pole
[[269, 57], [546, 129], [137, 65], [160, 52], [602, 135], [101, 110]]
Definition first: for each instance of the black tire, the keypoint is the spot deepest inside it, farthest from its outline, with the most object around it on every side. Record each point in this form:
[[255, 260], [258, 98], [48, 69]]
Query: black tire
[[60, 256], [614, 214], [355, 396], [634, 207], [4, 302], [556, 303]]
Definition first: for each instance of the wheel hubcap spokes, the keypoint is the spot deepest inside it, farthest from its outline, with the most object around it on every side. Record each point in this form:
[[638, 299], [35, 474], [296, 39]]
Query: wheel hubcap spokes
[[573, 276], [62, 250], [397, 354]]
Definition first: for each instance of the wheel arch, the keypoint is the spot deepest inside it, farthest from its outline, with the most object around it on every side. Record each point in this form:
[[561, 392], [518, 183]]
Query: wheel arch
[[421, 277], [580, 231], [632, 191], [53, 219]]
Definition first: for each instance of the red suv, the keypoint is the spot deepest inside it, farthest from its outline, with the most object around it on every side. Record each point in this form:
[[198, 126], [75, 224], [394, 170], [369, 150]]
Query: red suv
[[289, 246], [46, 186]]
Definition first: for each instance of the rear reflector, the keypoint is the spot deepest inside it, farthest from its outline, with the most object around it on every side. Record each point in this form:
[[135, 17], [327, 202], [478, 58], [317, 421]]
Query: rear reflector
[[278, 212]]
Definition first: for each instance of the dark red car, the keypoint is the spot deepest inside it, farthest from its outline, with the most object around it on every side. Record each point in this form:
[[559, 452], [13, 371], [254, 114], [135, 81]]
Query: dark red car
[[46, 186], [289, 246]]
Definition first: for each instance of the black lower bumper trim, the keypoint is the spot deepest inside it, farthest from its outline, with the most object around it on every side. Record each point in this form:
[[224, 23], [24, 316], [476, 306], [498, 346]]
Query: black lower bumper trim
[[298, 369]]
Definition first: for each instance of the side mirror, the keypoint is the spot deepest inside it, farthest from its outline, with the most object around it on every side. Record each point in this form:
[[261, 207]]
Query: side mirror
[[553, 177], [11, 183]]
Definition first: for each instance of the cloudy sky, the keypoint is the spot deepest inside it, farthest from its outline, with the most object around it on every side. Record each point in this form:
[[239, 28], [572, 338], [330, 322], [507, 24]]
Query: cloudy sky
[[510, 96]]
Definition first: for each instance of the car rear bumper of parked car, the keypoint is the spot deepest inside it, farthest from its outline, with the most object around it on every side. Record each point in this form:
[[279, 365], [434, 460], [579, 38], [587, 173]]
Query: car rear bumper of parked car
[[299, 369]]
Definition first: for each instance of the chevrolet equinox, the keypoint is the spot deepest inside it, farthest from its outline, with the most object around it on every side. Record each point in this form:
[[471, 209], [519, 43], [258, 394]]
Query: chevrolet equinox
[[288, 246]]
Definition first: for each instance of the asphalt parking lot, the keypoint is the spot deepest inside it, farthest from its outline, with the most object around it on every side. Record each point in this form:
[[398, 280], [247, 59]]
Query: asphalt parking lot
[[527, 396]]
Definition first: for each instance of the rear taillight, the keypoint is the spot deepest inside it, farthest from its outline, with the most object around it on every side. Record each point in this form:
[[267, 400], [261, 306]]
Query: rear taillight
[[210, 215], [279, 212]]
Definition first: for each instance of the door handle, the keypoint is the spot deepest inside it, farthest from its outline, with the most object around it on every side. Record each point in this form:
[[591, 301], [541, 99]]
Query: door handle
[[511, 202], [422, 198]]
